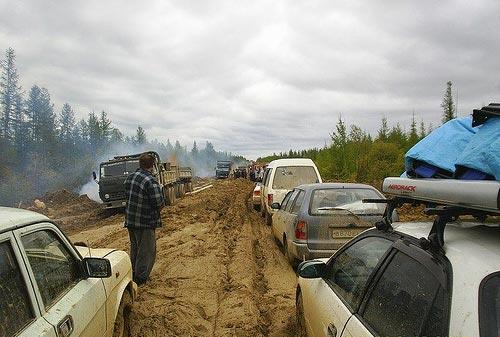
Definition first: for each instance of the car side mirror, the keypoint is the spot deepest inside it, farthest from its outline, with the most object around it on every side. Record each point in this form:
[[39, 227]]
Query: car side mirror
[[96, 267], [311, 269], [275, 205], [94, 175]]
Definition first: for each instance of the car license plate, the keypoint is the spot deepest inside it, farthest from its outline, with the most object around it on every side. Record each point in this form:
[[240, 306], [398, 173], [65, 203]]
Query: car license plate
[[343, 233]]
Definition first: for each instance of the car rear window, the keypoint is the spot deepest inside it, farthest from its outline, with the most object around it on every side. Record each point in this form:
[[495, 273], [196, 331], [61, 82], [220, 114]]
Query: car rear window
[[489, 306], [288, 177], [326, 201]]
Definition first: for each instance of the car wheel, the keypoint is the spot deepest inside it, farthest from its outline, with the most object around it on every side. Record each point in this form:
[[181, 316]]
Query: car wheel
[[299, 315], [289, 256], [269, 219], [122, 328], [256, 207]]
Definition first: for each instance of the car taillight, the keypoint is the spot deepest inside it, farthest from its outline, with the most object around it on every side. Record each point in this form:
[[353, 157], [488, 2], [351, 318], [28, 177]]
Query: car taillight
[[256, 193], [269, 199], [301, 230]]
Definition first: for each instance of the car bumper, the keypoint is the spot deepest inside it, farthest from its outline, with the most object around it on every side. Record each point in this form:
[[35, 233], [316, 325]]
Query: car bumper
[[115, 204], [302, 252]]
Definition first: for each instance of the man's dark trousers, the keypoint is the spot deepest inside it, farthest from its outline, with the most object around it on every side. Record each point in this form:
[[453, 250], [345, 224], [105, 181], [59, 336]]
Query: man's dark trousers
[[142, 252]]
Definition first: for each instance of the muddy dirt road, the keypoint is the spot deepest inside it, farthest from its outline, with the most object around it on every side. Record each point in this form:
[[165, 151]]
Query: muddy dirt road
[[218, 270]]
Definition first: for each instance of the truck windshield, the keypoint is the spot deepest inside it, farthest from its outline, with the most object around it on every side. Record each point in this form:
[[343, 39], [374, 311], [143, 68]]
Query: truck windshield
[[289, 177], [350, 200], [119, 168]]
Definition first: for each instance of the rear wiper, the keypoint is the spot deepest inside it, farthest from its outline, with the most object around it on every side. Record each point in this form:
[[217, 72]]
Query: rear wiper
[[336, 209]]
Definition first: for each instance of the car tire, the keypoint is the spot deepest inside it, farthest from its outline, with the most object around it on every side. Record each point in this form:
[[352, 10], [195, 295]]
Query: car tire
[[256, 207], [269, 219], [291, 259], [299, 315], [122, 322]]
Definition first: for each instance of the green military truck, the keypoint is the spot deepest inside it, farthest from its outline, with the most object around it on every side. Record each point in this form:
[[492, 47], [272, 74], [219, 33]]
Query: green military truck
[[175, 181]]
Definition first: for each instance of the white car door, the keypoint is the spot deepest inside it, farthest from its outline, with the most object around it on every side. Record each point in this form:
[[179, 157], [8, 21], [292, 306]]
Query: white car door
[[73, 305], [330, 302], [18, 314]]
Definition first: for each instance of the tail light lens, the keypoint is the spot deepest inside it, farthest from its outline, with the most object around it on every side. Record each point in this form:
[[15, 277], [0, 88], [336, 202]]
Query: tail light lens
[[256, 193], [301, 230], [269, 199]]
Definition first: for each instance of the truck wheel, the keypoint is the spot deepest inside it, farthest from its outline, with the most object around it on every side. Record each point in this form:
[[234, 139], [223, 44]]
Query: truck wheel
[[122, 322], [172, 194], [166, 195]]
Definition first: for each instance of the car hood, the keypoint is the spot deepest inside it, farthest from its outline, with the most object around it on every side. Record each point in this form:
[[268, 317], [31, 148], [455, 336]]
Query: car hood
[[94, 252]]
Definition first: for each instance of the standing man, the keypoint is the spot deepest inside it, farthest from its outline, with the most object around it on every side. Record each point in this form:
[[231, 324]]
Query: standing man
[[142, 216]]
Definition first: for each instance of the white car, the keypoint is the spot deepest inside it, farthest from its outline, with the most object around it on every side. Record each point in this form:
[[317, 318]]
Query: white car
[[49, 287], [256, 197], [282, 176], [413, 279]]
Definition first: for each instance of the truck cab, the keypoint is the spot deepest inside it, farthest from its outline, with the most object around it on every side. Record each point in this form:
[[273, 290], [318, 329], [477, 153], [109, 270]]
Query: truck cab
[[112, 175], [224, 169]]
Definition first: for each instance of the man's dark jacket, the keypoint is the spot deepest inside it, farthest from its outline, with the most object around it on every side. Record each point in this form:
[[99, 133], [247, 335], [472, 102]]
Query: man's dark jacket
[[145, 198]]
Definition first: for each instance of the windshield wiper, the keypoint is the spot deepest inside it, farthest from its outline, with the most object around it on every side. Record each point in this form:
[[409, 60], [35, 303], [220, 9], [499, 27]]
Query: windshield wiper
[[336, 209]]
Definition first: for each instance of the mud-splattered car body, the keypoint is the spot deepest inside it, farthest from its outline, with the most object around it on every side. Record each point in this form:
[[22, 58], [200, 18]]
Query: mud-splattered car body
[[52, 288], [454, 292]]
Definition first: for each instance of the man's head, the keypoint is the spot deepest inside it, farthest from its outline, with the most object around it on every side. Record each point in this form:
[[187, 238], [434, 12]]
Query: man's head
[[146, 161]]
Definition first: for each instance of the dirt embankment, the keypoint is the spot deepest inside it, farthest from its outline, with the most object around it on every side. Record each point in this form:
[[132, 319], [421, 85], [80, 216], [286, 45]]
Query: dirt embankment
[[218, 270]]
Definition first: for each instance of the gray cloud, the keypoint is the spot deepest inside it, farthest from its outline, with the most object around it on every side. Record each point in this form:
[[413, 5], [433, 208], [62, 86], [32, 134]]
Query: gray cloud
[[256, 77]]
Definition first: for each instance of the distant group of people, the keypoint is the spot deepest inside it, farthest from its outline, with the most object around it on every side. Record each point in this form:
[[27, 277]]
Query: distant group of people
[[256, 173]]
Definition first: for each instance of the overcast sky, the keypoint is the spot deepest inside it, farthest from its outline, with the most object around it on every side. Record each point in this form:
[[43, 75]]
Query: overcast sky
[[256, 77]]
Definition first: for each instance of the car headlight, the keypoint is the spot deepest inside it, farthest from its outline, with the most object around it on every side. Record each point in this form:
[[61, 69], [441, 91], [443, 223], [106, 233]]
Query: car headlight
[[106, 196]]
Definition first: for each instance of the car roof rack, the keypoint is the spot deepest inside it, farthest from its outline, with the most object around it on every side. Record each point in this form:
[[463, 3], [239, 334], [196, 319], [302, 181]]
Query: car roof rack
[[448, 199], [479, 116]]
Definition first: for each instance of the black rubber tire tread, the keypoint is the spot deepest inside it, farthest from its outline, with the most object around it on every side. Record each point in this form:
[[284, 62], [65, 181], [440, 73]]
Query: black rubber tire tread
[[122, 323]]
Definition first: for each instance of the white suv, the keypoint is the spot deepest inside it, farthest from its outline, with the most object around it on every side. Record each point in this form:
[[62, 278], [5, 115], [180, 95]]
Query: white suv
[[48, 287], [412, 279], [282, 176]]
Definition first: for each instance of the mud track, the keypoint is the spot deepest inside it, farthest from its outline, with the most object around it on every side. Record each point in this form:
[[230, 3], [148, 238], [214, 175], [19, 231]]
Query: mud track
[[218, 270]]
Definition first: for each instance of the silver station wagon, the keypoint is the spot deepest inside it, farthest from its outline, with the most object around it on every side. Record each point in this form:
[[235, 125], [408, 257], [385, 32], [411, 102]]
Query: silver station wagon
[[315, 220]]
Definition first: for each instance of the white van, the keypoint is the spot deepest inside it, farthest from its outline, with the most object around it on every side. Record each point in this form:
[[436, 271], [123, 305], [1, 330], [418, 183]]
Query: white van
[[282, 176]]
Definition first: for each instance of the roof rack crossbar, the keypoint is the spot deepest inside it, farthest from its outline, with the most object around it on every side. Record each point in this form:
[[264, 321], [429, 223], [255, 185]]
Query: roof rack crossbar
[[479, 116]]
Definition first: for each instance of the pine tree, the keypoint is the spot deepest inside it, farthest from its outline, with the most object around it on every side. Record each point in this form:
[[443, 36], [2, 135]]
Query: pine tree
[[140, 136], [448, 105], [41, 119], [116, 136], [66, 125], [413, 135], [9, 90], [94, 131], [105, 128], [194, 150], [383, 132]]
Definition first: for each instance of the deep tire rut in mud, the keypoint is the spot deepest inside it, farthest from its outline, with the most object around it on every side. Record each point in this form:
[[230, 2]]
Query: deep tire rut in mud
[[218, 271]]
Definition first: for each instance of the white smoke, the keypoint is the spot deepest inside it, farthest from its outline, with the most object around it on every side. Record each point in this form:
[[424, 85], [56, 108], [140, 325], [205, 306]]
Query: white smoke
[[91, 189]]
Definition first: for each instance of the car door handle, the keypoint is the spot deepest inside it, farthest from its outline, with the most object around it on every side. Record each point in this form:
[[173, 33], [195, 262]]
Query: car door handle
[[65, 327], [332, 330]]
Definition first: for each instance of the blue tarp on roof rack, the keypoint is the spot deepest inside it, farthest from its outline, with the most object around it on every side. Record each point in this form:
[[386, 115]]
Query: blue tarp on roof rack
[[440, 150], [458, 150]]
